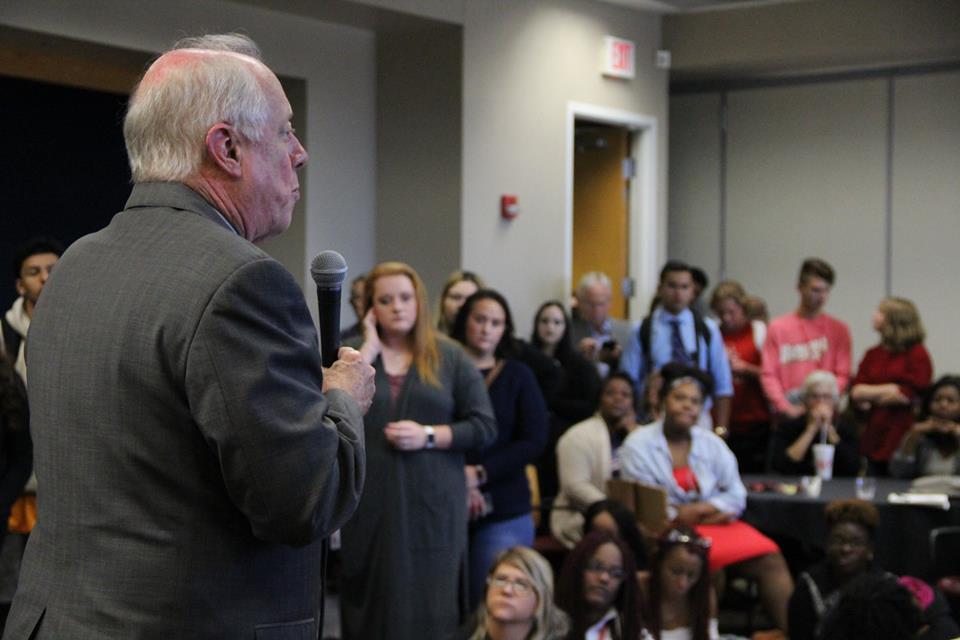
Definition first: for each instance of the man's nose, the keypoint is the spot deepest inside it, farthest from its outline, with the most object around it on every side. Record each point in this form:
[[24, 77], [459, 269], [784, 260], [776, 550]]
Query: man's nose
[[300, 155]]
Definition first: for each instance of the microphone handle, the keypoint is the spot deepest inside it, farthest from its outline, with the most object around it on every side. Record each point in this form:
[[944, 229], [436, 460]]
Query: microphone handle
[[328, 313]]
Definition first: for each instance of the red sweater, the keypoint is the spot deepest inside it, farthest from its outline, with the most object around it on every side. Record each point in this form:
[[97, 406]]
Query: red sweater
[[749, 406], [798, 346], [911, 370]]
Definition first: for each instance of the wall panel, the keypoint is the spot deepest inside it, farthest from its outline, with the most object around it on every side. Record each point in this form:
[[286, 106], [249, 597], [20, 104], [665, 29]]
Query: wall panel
[[926, 206]]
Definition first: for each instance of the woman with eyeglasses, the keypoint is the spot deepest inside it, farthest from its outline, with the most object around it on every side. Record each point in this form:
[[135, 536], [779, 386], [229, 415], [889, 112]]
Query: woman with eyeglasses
[[679, 602], [699, 473], [518, 601], [598, 589]]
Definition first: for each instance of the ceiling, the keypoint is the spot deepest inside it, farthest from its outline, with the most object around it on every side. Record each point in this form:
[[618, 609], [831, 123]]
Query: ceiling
[[690, 6]]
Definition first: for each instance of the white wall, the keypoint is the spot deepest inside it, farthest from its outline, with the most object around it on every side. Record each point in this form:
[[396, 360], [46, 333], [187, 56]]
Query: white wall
[[523, 63], [337, 64], [807, 175]]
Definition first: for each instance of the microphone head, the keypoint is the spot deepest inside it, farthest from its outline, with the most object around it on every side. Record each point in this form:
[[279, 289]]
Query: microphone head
[[328, 270]]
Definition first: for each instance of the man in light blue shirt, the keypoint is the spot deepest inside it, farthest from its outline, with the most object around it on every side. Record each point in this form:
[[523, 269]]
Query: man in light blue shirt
[[673, 333]]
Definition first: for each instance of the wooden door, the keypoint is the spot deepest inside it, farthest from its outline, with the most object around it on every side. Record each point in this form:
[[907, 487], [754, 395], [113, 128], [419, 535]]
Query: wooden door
[[600, 207]]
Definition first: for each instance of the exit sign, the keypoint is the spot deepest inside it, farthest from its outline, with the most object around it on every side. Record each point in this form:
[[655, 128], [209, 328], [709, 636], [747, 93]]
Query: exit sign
[[618, 57]]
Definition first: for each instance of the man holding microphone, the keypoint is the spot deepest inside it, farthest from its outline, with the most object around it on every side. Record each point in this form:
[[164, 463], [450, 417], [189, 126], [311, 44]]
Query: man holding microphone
[[190, 450]]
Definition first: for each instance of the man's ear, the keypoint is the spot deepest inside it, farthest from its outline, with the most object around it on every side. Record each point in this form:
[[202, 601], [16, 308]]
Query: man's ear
[[21, 290], [223, 148]]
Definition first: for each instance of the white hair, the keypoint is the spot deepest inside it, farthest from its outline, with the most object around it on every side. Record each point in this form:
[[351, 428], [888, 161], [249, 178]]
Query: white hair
[[821, 378], [593, 278], [168, 118]]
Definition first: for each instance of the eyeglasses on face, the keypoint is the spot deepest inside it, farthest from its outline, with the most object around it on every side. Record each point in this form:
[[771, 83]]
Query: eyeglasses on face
[[519, 585], [598, 568]]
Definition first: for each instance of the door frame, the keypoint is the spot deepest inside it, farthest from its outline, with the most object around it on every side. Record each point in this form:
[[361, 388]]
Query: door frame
[[644, 246]]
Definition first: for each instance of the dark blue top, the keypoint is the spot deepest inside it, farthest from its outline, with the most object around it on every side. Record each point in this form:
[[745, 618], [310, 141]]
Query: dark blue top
[[521, 416]]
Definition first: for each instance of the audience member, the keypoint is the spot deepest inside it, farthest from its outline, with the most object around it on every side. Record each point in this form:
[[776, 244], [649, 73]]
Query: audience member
[[576, 398], [577, 387], [598, 589], [679, 601], [611, 516], [756, 309], [890, 377], [932, 445], [651, 408], [699, 473], [354, 332], [749, 428], [498, 493], [459, 286], [599, 337], [804, 341], [873, 606], [700, 283], [33, 263], [934, 610], [851, 527], [674, 333], [792, 443], [588, 456], [410, 528], [518, 603]]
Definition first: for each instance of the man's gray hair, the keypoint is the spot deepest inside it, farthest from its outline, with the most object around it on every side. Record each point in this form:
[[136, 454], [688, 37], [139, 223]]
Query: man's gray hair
[[593, 278], [168, 118], [821, 378]]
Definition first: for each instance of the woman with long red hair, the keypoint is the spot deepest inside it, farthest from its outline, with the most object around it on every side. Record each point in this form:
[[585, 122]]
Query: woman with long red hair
[[405, 549]]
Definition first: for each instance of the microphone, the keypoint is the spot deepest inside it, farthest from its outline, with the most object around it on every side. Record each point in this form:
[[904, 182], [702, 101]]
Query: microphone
[[328, 270]]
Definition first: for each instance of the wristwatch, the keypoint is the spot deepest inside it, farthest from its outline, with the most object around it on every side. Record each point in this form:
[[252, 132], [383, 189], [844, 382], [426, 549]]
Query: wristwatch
[[431, 437]]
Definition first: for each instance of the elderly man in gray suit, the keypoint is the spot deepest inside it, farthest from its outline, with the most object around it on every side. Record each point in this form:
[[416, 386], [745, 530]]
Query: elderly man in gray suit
[[190, 452]]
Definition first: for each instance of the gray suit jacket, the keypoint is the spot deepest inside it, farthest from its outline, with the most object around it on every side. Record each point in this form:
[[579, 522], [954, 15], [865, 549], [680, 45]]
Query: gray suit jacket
[[188, 463]]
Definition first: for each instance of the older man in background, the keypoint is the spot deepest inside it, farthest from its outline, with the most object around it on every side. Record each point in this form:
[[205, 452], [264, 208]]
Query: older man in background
[[190, 451]]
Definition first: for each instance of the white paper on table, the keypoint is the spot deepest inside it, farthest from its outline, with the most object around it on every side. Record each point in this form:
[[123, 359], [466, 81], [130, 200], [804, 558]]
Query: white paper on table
[[937, 500]]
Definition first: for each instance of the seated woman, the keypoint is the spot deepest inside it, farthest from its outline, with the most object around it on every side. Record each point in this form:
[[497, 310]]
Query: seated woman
[[792, 442], [588, 456], [891, 375], [613, 517], [851, 526], [678, 600], [498, 491], [518, 601], [598, 589], [749, 426], [932, 445], [703, 486]]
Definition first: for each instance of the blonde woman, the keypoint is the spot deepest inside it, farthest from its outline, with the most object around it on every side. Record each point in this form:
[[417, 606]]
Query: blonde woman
[[518, 601], [405, 549], [459, 286], [890, 377]]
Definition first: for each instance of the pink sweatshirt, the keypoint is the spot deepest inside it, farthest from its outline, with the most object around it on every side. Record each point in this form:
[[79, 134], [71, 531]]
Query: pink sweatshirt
[[796, 347]]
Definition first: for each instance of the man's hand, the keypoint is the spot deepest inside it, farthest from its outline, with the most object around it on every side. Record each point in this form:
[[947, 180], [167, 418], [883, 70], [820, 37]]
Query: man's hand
[[589, 349], [351, 374]]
